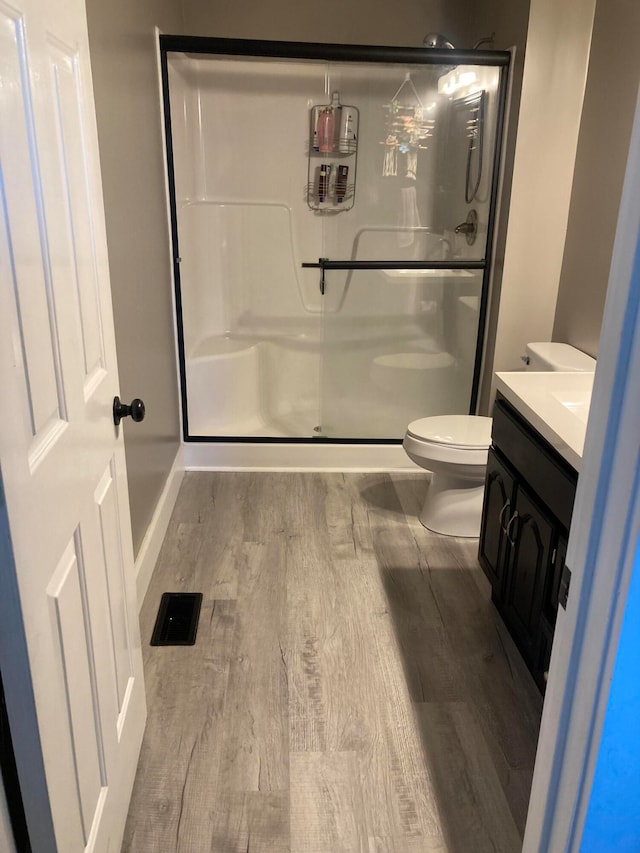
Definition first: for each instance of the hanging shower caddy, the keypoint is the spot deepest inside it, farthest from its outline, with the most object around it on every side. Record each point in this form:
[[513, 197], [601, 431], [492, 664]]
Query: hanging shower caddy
[[333, 154]]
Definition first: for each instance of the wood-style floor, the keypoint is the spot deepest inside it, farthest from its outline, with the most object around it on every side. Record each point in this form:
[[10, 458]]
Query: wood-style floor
[[351, 690]]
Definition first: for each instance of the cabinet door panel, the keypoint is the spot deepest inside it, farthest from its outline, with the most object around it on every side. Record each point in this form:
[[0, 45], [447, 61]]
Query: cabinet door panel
[[540, 669], [498, 497], [528, 563], [552, 586]]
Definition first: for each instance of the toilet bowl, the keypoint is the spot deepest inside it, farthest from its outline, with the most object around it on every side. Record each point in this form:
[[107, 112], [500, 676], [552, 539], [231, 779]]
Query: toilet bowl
[[455, 449]]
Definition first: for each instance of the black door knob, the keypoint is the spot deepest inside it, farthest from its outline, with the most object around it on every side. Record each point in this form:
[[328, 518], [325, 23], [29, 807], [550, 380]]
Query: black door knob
[[121, 410]]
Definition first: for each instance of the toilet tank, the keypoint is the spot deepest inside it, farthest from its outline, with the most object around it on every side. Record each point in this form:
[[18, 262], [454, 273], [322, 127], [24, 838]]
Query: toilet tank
[[548, 355]]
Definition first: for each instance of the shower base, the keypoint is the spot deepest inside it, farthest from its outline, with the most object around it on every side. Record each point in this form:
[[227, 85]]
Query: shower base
[[364, 386], [249, 456], [243, 386]]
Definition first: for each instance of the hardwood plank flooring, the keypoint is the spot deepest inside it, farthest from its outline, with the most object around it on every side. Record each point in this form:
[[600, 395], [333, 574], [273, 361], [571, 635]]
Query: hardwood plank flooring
[[351, 690]]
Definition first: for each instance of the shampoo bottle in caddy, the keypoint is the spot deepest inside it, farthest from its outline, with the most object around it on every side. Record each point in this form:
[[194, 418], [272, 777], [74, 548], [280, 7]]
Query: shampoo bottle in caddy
[[316, 112], [326, 130], [341, 183], [323, 181], [348, 133]]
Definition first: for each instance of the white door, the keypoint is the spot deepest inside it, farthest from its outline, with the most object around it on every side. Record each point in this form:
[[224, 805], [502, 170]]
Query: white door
[[78, 713]]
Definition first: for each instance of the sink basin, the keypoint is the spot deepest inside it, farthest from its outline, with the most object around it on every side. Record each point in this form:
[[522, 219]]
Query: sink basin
[[577, 401], [556, 404]]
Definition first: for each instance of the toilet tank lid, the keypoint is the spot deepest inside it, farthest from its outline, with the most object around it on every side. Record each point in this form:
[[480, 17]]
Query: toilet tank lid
[[551, 355]]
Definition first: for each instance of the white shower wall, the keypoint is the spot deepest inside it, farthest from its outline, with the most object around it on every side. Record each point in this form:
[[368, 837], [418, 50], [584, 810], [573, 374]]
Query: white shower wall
[[265, 353]]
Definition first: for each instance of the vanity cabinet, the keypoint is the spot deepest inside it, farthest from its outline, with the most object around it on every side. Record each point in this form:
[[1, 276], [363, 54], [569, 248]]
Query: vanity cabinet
[[529, 494]]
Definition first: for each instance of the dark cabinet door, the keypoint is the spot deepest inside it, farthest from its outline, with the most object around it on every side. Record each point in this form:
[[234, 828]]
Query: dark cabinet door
[[552, 586], [496, 512], [530, 533], [540, 668]]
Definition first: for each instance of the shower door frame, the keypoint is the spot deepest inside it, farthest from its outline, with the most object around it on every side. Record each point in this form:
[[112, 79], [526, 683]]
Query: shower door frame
[[335, 53]]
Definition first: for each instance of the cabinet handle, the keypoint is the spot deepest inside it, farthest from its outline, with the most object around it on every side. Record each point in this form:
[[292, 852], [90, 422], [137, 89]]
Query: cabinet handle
[[501, 516], [508, 530]]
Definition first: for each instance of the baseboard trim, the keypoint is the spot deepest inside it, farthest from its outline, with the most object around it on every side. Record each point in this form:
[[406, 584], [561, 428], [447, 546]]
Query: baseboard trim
[[153, 538]]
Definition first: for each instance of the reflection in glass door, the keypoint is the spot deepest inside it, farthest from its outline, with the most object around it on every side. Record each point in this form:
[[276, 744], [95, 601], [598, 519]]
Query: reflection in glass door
[[331, 222]]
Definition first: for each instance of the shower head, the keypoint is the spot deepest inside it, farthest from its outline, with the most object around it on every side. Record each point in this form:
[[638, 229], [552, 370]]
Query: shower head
[[439, 42], [436, 40]]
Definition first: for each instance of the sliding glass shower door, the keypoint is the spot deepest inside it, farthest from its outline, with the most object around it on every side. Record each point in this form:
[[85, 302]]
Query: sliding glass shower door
[[404, 270], [332, 208]]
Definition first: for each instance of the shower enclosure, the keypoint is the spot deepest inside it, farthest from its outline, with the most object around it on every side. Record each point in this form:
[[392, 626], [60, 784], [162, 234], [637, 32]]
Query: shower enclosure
[[332, 215]]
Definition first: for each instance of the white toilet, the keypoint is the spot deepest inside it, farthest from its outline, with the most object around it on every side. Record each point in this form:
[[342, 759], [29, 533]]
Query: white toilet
[[455, 449]]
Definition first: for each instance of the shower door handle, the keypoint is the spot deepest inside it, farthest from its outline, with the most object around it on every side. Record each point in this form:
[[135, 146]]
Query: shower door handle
[[325, 264]]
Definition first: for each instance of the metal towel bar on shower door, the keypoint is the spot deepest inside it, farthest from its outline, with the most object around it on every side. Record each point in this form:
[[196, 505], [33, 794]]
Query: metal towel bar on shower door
[[326, 264]]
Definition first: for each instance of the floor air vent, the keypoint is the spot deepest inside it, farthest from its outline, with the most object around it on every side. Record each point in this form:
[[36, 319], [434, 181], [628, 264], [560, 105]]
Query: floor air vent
[[177, 619]]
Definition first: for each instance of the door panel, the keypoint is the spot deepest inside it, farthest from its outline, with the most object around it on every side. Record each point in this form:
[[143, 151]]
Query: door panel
[[76, 222], [36, 342], [71, 600], [67, 593], [121, 648]]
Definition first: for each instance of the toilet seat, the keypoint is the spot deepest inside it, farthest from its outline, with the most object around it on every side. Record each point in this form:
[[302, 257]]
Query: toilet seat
[[466, 432], [462, 440]]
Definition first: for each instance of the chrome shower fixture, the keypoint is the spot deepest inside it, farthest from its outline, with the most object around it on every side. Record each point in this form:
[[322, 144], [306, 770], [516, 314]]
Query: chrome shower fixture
[[437, 40], [487, 40]]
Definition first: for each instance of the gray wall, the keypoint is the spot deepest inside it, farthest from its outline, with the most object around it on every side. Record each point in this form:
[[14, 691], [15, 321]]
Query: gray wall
[[125, 81], [603, 145], [403, 22]]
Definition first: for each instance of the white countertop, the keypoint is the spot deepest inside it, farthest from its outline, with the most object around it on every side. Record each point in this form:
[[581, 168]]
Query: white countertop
[[556, 404]]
